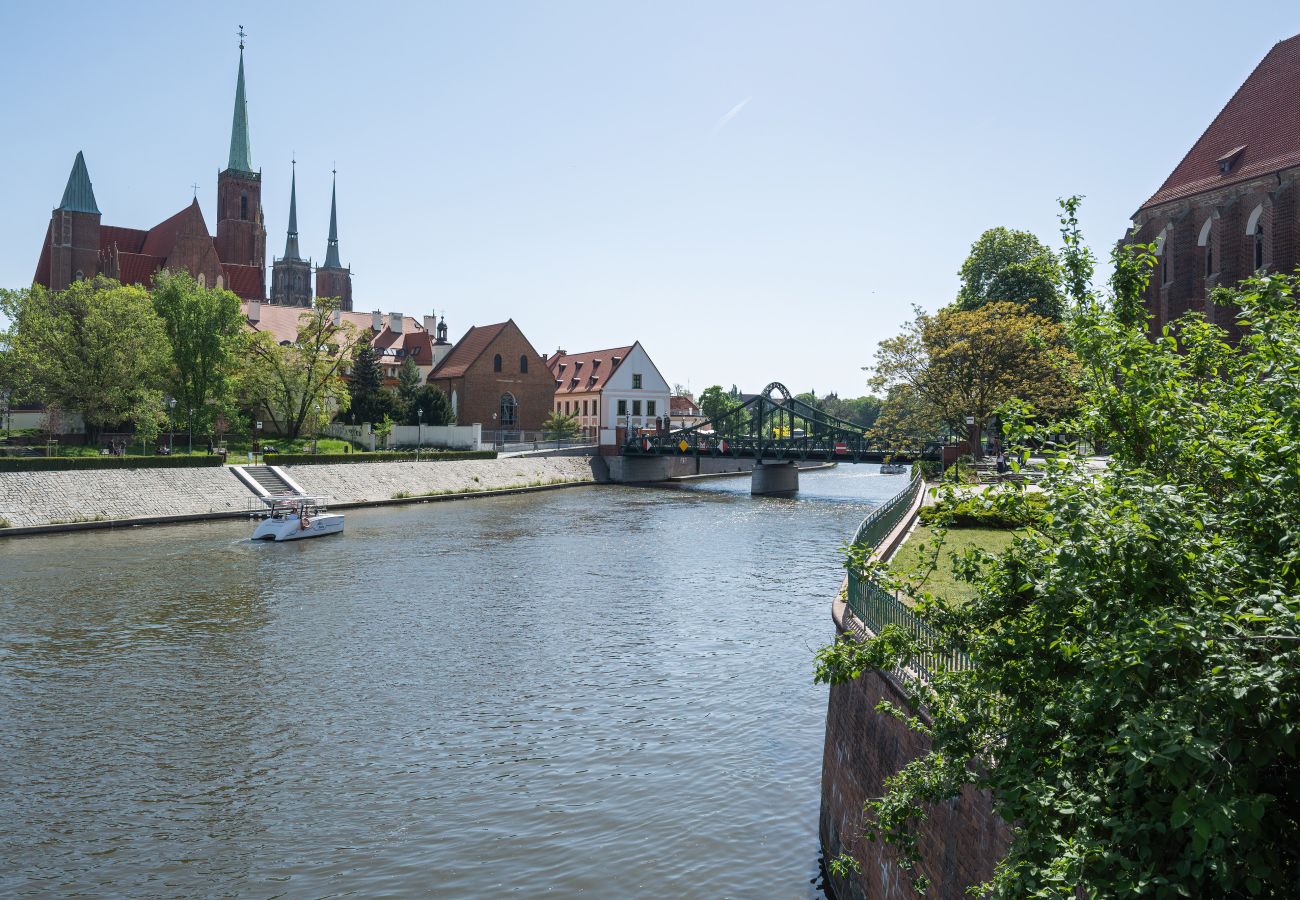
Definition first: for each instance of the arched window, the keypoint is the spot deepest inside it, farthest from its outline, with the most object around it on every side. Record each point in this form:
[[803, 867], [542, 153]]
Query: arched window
[[1206, 240], [455, 403], [1163, 252], [523, 365], [1259, 247], [243, 206], [509, 410], [1255, 231], [496, 363]]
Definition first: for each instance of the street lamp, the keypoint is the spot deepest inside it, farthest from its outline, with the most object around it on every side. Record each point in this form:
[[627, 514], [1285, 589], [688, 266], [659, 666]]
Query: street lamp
[[189, 422], [316, 430], [973, 437], [257, 440], [419, 433], [171, 424]]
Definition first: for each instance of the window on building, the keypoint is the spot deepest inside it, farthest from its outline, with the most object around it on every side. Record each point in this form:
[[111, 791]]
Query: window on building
[[243, 206], [636, 382], [649, 407], [622, 407], [509, 411], [523, 365], [1259, 246], [1206, 241], [595, 407], [584, 407], [636, 407], [566, 407], [496, 363]]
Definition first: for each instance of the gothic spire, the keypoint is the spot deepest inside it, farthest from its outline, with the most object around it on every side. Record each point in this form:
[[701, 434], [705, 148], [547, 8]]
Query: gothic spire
[[291, 241], [332, 249], [79, 196], [241, 156]]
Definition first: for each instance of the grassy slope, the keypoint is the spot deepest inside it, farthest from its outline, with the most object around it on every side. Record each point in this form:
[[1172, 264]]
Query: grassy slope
[[910, 559]]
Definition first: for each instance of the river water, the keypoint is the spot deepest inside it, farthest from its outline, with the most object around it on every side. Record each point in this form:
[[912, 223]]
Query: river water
[[600, 692]]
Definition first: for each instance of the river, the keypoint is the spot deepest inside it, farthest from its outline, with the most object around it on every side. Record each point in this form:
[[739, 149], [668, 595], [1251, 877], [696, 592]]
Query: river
[[599, 692]]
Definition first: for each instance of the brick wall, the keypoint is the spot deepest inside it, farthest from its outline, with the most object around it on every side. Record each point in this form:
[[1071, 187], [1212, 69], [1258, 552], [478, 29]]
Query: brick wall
[[961, 840], [480, 390], [241, 239]]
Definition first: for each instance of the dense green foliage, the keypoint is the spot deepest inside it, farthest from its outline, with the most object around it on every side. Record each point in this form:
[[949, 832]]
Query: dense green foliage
[[69, 463], [861, 411], [310, 459], [429, 402], [1011, 266], [365, 385], [558, 426], [985, 511], [1134, 702]]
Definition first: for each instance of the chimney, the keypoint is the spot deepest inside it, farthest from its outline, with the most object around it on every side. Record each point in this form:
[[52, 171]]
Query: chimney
[[254, 310], [395, 322], [377, 321], [430, 323]]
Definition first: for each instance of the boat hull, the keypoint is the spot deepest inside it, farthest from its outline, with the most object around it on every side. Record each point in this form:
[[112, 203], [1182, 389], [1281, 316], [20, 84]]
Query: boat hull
[[291, 528]]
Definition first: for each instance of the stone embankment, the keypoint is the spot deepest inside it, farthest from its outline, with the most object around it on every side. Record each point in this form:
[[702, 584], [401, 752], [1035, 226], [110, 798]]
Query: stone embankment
[[138, 496]]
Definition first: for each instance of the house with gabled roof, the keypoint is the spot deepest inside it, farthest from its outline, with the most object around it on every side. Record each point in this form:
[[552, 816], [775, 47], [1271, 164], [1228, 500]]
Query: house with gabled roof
[[495, 378], [604, 390], [1229, 208]]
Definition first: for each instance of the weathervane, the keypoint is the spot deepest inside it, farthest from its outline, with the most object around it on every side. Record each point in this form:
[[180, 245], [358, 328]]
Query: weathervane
[[196, 190], [241, 37]]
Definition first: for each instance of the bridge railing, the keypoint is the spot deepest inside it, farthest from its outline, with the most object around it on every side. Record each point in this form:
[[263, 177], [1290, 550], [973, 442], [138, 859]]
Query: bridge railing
[[878, 608]]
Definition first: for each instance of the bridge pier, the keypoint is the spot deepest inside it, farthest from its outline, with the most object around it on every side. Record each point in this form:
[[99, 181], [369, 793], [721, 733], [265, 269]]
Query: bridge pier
[[775, 479]]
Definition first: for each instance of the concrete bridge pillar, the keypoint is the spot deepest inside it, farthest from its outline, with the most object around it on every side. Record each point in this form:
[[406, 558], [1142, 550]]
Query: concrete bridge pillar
[[779, 479]]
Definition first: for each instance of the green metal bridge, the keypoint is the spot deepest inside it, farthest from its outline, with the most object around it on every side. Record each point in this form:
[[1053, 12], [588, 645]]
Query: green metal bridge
[[783, 429]]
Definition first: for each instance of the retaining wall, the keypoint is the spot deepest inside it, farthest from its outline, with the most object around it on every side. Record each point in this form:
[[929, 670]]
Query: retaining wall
[[368, 482]]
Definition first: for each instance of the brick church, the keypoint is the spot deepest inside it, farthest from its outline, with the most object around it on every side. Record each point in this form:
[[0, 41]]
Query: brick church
[[1229, 208], [78, 245]]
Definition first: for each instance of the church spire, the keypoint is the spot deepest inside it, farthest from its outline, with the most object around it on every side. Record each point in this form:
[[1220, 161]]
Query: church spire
[[291, 241], [241, 156], [332, 249], [79, 196]]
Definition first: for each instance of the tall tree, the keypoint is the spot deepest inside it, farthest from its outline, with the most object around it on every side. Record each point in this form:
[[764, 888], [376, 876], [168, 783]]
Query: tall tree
[[301, 384], [367, 380], [98, 348], [430, 402], [205, 327], [408, 380], [715, 403], [1011, 266]]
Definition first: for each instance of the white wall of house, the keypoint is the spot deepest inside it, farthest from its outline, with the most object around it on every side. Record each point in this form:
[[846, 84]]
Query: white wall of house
[[643, 403]]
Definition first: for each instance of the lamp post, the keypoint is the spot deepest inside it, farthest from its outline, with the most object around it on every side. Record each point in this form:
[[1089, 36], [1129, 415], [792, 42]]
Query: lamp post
[[257, 440], [973, 437], [189, 423], [419, 432], [171, 424], [315, 431]]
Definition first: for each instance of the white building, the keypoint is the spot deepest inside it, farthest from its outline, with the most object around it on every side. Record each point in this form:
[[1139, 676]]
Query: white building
[[609, 389]]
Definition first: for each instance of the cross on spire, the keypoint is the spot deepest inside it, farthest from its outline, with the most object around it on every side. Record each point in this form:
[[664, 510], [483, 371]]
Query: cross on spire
[[241, 37], [196, 190]]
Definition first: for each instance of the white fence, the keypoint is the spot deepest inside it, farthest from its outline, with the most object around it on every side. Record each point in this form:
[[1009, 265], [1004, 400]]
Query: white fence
[[448, 437]]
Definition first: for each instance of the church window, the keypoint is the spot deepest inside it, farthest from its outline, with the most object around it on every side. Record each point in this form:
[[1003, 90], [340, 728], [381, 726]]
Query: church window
[[1255, 231], [243, 206], [1206, 240], [1259, 246], [1163, 252], [523, 365], [496, 363], [509, 410]]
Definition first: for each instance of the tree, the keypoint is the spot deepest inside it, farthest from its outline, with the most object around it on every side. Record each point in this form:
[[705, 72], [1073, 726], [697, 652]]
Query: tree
[[558, 425], [367, 380], [300, 384], [1011, 266], [715, 403], [98, 348], [433, 403], [408, 380], [205, 327], [963, 363], [1131, 700]]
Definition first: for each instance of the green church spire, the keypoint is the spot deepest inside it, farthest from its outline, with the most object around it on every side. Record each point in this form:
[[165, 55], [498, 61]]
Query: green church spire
[[332, 250], [291, 242], [241, 156], [79, 196]]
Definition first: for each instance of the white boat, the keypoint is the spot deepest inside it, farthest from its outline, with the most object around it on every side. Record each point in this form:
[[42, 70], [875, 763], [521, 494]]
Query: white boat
[[290, 517], [893, 469]]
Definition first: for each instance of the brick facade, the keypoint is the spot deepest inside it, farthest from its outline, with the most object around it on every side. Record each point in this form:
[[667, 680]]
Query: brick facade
[[331, 282], [479, 388]]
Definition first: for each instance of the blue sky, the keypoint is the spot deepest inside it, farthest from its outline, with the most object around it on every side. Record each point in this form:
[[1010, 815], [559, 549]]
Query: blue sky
[[755, 191]]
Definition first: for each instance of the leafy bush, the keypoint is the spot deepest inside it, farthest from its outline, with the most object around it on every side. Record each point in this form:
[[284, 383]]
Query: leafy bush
[[69, 463], [987, 511], [316, 459]]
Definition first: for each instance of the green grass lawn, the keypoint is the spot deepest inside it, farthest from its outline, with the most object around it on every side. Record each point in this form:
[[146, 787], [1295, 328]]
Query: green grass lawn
[[237, 449], [910, 562]]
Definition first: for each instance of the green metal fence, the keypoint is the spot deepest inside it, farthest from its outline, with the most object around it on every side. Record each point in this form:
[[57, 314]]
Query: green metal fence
[[876, 607]]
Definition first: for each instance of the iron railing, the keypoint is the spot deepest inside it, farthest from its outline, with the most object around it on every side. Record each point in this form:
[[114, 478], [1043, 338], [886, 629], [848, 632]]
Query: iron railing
[[876, 608]]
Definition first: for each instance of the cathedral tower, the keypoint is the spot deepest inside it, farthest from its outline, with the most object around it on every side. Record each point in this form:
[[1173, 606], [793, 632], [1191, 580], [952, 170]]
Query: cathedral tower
[[332, 279], [291, 274], [241, 232], [73, 250]]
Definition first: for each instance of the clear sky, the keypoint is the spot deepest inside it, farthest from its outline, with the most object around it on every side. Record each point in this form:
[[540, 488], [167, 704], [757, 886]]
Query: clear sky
[[755, 191]]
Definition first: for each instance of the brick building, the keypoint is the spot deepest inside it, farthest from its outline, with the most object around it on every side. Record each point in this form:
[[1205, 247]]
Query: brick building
[[1228, 208], [494, 377], [78, 245]]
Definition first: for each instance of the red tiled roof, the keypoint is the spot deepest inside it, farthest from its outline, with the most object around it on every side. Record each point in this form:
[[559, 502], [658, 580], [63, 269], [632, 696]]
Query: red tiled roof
[[582, 373], [1263, 116], [282, 323], [245, 281], [137, 268], [682, 406], [162, 237], [128, 240], [468, 349]]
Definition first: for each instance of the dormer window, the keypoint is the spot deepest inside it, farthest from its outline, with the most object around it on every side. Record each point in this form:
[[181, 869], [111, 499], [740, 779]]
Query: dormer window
[[1229, 159], [595, 364]]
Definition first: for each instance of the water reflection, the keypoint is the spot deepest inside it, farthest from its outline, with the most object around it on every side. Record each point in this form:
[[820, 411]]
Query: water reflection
[[602, 690]]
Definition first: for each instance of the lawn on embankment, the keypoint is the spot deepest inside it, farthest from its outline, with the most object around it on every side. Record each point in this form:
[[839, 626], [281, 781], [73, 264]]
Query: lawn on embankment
[[911, 561]]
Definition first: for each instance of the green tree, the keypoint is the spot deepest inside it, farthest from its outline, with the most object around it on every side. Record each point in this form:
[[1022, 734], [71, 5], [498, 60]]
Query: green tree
[[1131, 703], [558, 425], [408, 380], [97, 348], [366, 382], [301, 384], [433, 403], [1011, 266], [205, 327], [715, 403]]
